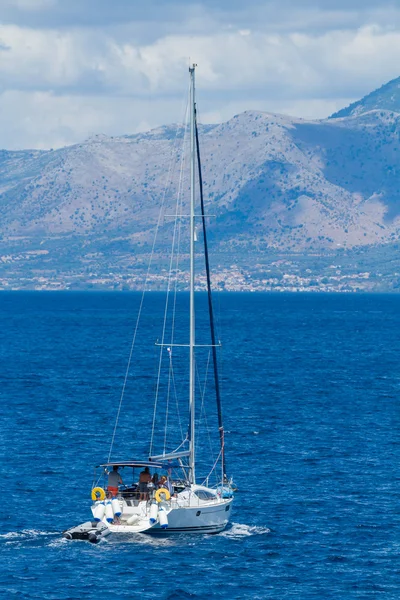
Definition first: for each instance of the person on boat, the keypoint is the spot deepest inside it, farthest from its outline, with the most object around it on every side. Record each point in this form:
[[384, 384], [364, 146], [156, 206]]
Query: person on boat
[[114, 480], [164, 483], [144, 479]]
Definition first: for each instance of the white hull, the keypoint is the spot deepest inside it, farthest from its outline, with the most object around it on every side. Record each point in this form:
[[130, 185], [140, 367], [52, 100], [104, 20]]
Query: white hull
[[203, 517], [212, 519]]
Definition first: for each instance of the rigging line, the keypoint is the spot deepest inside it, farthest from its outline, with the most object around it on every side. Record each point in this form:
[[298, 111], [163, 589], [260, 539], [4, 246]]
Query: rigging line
[[176, 226], [96, 483], [177, 403], [213, 467], [132, 347], [174, 304], [171, 370], [202, 408], [218, 319], [166, 310], [208, 428], [169, 350], [161, 352], [210, 303], [180, 445], [166, 187], [179, 200], [168, 390]]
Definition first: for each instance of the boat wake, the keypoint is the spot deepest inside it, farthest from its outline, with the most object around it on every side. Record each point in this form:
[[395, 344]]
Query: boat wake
[[142, 539], [25, 535], [239, 531]]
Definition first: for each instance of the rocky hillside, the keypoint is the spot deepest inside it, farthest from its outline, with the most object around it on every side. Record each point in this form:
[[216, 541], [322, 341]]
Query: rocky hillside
[[386, 97], [276, 186]]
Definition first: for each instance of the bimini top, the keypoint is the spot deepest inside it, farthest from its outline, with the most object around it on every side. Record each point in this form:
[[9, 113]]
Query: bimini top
[[133, 463]]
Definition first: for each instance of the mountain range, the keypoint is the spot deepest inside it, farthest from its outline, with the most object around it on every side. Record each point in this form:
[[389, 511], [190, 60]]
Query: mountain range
[[293, 204]]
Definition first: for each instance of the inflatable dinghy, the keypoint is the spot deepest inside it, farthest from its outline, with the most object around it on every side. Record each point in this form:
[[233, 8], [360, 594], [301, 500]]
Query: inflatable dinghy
[[91, 531]]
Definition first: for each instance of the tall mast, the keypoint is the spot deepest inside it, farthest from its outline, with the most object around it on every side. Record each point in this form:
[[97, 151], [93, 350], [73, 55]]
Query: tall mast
[[192, 308]]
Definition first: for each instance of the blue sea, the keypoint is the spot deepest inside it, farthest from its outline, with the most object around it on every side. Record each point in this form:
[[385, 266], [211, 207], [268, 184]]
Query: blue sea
[[311, 387]]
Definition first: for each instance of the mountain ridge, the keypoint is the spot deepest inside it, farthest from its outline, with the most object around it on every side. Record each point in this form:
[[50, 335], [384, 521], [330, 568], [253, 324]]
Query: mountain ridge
[[277, 185], [387, 97]]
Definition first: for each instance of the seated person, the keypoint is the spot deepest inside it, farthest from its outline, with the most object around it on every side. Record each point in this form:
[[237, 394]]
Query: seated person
[[165, 483], [144, 479], [114, 479]]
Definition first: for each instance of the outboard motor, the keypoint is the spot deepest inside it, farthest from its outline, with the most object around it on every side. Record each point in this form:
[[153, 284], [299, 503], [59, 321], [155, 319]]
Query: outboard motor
[[93, 537]]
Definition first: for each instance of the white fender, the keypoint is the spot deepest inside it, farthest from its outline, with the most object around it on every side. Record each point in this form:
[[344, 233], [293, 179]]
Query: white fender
[[116, 506], [153, 512], [109, 512], [99, 511], [133, 519], [162, 515]]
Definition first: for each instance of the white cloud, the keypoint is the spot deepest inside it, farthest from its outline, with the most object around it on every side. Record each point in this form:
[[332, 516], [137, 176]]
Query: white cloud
[[287, 63], [45, 59], [335, 64], [69, 82], [44, 120]]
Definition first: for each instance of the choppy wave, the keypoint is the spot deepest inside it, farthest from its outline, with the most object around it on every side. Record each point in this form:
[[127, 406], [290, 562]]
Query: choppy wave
[[238, 530], [312, 446], [26, 534]]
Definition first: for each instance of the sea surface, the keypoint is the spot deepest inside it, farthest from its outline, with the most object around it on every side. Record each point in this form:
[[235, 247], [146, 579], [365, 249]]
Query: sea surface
[[311, 388]]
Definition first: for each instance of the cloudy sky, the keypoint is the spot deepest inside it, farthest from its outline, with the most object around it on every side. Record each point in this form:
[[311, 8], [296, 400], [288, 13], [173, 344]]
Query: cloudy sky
[[73, 68]]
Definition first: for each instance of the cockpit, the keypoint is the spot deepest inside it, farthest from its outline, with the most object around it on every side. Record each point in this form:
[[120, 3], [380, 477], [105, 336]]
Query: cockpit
[[135, 481]]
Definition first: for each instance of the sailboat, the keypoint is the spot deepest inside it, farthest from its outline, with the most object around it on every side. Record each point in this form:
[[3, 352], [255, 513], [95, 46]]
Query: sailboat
[[165, 496]]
